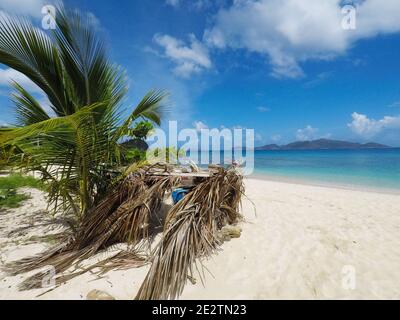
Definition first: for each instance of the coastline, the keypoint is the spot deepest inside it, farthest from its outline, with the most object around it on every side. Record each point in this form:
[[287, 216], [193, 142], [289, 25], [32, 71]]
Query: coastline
[[296, 242], [323, 184]]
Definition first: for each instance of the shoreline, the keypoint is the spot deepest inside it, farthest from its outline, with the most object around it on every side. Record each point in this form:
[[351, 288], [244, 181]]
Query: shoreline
[[294, 246], [323, 184]]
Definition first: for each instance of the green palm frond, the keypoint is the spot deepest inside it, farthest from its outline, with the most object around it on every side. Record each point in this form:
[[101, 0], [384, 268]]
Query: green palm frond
[[77, 151], [30, 51], [28, 109], [84, 58], [150, 108], [46, 126]]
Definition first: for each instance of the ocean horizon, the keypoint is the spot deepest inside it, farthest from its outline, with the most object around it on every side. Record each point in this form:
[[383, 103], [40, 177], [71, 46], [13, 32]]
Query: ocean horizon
[[367, 168]]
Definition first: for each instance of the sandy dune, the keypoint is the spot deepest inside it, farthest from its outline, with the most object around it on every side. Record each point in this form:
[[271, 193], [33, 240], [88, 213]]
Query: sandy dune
[[303, 242]]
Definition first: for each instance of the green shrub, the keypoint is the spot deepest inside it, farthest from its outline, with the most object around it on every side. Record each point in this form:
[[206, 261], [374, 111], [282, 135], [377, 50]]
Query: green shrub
[[11, 199], [9, 196], [16, 180], [135, 155]]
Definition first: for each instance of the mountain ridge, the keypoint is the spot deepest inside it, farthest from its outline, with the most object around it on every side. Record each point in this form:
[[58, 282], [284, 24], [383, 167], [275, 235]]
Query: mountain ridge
[[323, 144]]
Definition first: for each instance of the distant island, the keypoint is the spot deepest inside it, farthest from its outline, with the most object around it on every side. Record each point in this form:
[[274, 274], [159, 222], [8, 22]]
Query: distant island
[[321, 144]]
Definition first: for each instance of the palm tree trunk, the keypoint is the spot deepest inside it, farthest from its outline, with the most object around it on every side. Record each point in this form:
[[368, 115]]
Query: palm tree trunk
[[85, 195], [84, 173]]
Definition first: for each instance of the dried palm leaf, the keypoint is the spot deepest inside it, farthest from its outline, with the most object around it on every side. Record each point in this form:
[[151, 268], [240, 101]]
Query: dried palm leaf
[[123, 260], [123, 217], [190, 234]]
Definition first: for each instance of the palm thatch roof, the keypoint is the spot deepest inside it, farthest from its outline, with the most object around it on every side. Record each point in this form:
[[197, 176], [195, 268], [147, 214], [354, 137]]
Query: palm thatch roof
[[190, 230]]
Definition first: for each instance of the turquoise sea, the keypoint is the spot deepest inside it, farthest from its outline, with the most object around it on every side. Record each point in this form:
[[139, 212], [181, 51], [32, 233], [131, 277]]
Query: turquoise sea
[[369, 168], [375, 168]]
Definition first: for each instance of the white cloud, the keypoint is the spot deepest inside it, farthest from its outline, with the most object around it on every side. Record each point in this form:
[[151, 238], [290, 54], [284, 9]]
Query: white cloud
[[199, 125], [307, 134], [202, 4], [195, 5], [9, 75], [31, 8], [258, 137], [276, 137], [367, 128], [173, 3], [263, 109], [289, 32], [188, 59]]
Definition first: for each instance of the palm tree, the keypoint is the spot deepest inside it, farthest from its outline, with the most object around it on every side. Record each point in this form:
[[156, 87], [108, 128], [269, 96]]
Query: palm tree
[[75, 143], [79, 149]]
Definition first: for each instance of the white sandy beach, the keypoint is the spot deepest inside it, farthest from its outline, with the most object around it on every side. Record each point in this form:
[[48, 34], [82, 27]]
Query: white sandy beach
[[303, 242]]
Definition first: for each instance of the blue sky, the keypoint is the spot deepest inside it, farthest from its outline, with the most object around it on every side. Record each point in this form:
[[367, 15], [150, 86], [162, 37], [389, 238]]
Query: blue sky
[[285, 68]]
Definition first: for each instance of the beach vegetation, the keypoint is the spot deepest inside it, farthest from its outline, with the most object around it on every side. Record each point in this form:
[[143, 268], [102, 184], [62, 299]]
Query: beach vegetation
[[136, 145], [10, 197], [82, 143], [74, 139]]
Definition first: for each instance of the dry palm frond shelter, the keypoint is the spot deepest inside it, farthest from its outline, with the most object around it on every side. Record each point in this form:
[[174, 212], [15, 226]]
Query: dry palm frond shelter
[[190, 231]]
